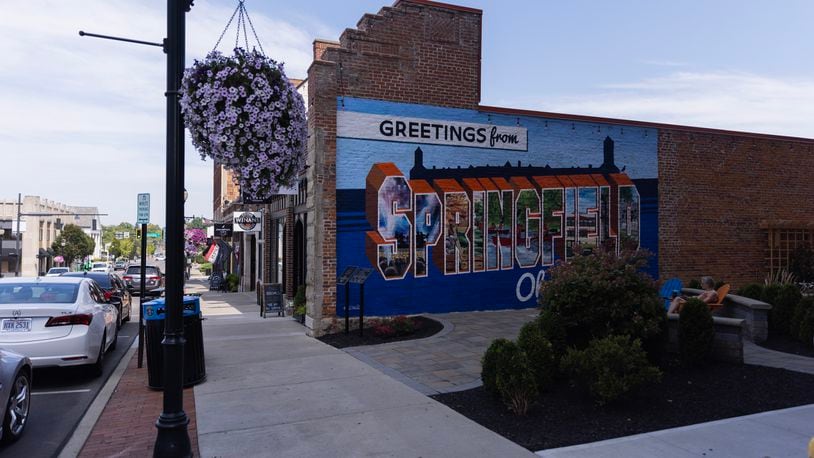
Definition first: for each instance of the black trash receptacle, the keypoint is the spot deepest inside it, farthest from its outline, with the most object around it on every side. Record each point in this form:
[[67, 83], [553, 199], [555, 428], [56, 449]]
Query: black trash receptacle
[[194, 363]]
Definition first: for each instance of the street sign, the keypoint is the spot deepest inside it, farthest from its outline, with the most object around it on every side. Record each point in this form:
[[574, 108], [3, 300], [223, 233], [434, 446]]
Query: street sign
[[154, 235], [143, 209]]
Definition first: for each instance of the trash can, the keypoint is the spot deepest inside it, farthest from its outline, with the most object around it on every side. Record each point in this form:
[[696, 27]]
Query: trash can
[[194, 363]]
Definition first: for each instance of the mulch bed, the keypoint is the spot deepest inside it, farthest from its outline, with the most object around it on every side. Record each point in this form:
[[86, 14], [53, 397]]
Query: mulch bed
[[565, 416], [788, 345], [425, 327]]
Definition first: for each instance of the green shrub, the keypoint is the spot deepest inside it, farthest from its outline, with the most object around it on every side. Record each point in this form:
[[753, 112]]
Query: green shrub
[[801, 264], [602, 294], [802, 323], [785, 301], [299, 297], [695, 332], [752, 291], [490, 362], [232, 282], [610, 368], [552, 329], [515, 380], [694, 283], [540, 353], [402, 325]]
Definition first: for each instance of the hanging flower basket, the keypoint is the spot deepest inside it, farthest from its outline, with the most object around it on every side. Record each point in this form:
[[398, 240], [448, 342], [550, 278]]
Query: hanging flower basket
[[243, 112]]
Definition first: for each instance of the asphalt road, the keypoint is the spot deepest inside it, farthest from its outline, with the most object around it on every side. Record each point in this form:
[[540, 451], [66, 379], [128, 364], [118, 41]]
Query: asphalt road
[[60, 397]]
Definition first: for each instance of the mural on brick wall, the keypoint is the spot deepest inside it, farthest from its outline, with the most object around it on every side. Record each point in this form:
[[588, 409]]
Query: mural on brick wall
[[463, 210]]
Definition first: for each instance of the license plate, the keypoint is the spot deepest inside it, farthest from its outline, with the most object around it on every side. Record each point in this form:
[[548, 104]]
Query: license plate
[[17, 325]]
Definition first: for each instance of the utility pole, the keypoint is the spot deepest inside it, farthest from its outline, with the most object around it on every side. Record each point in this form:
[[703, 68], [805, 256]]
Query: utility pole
[[17, 243]]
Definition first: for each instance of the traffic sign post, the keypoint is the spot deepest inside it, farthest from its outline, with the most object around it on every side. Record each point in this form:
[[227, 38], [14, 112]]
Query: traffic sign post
[[143, 209], [142, 219]]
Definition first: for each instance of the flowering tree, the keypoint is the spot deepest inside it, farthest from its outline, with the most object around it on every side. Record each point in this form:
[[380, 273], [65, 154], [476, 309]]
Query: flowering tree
[[194, 240], [243, 112]]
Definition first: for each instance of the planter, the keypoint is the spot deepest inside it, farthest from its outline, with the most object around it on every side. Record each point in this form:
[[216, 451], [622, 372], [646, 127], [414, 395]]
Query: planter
[[300, 318]]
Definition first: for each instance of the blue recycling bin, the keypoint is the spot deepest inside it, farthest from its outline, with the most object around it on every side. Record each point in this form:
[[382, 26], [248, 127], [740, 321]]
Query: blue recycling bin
[[154, 313]]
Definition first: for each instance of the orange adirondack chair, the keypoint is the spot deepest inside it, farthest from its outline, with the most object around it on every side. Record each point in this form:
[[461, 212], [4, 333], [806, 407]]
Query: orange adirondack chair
[[722, 292]]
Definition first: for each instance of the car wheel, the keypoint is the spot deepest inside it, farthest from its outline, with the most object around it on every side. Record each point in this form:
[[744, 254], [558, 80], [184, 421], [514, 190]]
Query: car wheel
[[119, 317], [129, 312], [98, 367], [17, 408]]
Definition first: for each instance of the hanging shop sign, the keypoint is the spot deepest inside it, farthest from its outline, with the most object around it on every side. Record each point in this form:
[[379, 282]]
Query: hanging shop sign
[[247, 221], [352, 124], [223, 230]]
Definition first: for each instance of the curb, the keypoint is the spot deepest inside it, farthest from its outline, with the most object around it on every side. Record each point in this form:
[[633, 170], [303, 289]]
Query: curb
[[85, 426]]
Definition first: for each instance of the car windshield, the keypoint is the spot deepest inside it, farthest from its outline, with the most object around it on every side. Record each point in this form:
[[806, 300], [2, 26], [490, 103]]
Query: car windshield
[[136, 270], [57, 270], [99, 264], [102, 279], [38, 293]]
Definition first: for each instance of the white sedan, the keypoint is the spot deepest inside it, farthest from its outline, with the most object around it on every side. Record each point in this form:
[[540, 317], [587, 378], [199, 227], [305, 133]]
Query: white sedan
[[57, 321]]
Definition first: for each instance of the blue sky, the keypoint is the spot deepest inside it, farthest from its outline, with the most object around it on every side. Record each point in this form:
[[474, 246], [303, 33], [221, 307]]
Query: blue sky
[[82, 120]]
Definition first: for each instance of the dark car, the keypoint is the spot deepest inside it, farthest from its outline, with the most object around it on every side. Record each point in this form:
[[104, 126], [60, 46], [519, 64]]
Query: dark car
[[114, 290], [153, 281]]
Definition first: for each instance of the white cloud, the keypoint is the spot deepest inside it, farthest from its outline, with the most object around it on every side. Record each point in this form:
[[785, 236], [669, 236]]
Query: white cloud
[[82, 119], [721, 99]]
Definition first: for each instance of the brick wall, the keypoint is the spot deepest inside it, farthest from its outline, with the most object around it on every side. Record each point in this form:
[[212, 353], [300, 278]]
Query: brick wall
[[416, 51], [716, 189]]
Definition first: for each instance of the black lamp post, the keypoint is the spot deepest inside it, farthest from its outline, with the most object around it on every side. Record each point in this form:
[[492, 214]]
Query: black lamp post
[[173, 438]]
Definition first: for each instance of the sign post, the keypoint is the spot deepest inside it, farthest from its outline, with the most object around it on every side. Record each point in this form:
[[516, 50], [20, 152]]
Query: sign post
[[143, 218], [344, 279], [360, 276]]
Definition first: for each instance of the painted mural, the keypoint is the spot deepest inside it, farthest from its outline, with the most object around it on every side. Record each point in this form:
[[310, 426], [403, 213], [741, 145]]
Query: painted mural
[[461, 210]]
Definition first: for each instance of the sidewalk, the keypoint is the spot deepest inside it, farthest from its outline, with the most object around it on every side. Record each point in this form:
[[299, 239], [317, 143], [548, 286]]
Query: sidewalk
[[273, 391]]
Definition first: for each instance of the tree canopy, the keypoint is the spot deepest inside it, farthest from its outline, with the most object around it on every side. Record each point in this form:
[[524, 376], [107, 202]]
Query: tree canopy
[[77, 244]]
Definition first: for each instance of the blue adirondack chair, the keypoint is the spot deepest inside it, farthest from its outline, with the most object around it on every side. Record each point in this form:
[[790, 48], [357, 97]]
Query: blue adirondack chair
[[668, 289]]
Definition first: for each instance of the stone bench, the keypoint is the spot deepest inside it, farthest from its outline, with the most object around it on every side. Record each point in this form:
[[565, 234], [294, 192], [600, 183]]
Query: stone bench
[[728, 342], [754, 313]]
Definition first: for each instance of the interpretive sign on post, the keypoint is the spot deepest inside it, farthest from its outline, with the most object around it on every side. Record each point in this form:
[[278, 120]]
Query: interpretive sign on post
[[143, 209]]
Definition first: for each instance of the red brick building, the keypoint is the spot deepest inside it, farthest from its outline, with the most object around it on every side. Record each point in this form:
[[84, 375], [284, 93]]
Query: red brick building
[[726, 204]]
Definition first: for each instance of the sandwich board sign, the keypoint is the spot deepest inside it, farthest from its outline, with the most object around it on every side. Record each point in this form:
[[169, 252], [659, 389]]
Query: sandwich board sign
[[143, 209]]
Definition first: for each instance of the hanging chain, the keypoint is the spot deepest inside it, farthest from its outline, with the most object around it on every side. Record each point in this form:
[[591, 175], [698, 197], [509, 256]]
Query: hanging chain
[[242, 18], [256, 38]]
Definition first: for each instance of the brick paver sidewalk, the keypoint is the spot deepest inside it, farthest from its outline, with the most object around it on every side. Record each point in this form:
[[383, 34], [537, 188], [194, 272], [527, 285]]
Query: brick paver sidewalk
[[127, 424], [450, 360]]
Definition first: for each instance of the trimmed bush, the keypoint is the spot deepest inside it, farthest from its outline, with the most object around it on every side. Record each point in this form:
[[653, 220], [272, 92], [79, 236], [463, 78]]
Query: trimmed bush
[[552, 329], [695, 332], [515, 380], [602, 294], [801, 264], [802, 324], [610, 368], [540, 354], [785, 301], [490, 361], [752, 291]]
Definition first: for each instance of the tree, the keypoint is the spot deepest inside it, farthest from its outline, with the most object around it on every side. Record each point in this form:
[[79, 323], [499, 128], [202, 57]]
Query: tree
[[77, 244], [196, 223]]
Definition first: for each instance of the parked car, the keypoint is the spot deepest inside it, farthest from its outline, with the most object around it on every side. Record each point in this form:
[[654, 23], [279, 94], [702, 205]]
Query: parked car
[[120, 265], [100, 267], [114, 290], [57, 321], [153, 283], [57, 271], [160, 257], [15, 393]]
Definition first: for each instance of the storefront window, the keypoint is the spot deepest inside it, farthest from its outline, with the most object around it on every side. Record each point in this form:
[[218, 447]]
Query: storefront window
[[280, 252]]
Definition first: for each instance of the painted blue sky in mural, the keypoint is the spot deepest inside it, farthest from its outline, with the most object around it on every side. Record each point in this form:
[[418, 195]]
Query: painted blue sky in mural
[[556, 143]]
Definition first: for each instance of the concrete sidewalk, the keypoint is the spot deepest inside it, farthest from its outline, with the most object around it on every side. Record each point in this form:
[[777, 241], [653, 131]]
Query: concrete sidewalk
[[273, 391], [780, 433]]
